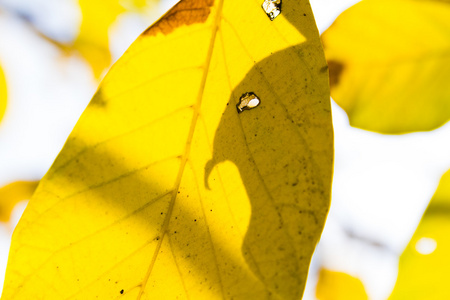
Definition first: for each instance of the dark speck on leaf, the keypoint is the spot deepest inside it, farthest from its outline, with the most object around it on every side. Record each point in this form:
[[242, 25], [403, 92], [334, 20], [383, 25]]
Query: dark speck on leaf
[[121, 291], [336, 69], [324, 69]]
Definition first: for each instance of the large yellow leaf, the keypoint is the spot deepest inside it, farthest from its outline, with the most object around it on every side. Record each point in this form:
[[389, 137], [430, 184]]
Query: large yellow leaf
[[12, 194], [2, 94], [424, 265], [164, 191], [334, 285], [390, 64]]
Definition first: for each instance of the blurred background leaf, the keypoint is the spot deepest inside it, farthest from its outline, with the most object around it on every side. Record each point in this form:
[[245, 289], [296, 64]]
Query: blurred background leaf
[[334, 285], [390, 65], [425, 263], [92, 41], [2, 94], [98, 15], [12, 194]]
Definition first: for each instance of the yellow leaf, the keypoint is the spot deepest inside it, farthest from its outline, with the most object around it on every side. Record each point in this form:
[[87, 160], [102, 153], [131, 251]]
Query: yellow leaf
[[339, 286], [390, 64], [12, 194], [164, 191], [2, 94], [92, 40], [423, 267], [139, 3]]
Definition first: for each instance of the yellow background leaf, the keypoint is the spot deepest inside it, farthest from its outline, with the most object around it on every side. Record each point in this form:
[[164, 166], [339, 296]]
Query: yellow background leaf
[[423, 267], [3, 94], [97, 16], [334, 285], [390, 64], [93, 41], [12, 194], [164, 191]]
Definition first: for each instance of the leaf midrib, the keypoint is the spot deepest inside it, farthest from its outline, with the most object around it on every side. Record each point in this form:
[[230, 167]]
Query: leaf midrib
[[187, 148]]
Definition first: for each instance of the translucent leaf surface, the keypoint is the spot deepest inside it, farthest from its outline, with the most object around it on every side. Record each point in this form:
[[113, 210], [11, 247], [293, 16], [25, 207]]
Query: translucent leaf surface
[[334, 285], [12, 194], [424, 265], [390, 64], [164, 191], [2, 94]]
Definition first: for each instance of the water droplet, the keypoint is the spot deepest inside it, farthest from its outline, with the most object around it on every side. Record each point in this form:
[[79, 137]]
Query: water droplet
[[426, 246], [272, 8], [247, 101]]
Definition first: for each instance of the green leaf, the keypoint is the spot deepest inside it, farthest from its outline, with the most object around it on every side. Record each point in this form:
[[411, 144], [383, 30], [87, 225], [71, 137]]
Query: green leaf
[[165, 191]]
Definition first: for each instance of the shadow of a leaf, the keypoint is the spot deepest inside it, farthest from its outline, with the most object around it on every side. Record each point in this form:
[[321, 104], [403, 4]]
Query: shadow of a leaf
[[284, 151]]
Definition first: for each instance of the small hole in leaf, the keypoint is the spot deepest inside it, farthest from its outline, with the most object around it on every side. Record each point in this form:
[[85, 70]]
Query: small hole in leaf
[[272, 8], [247, 101]]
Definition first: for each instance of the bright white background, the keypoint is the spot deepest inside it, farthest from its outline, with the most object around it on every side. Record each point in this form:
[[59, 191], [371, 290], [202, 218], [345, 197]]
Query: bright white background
[[382, 184]]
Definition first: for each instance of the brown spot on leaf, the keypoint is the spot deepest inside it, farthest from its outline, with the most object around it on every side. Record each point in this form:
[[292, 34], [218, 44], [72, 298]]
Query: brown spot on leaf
[[186, 12], [335, 69]]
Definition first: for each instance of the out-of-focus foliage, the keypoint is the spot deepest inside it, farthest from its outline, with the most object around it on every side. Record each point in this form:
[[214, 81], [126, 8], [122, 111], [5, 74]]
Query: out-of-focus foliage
[[390, 64], [164, 191], [334, 285], [424, 265], [92, 40], [12, 194], [3, 94], [98, 15]]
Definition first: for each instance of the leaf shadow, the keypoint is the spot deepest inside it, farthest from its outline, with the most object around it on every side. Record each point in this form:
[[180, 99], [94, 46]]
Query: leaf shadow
[[283, 150]]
